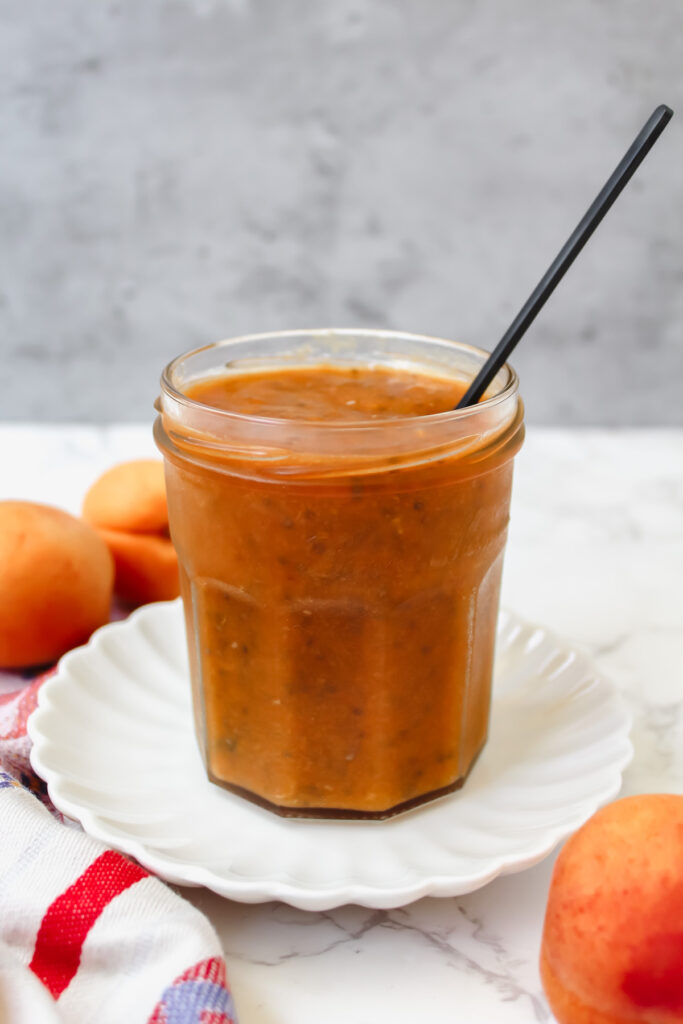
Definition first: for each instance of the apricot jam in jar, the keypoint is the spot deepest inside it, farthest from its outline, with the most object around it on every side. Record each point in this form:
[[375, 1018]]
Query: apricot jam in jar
[[340, 530]]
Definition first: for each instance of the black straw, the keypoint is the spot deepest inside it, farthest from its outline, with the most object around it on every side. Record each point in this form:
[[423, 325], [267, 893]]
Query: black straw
[[612, 188]]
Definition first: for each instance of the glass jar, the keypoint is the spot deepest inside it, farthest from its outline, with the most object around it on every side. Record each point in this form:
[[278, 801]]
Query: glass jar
[[340, 579]]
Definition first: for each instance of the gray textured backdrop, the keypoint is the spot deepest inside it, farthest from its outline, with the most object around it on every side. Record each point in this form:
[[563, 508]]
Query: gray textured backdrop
[[176, 171]]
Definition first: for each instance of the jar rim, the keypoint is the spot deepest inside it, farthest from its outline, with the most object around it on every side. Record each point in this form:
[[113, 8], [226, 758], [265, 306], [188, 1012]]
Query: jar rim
[[509, 389]]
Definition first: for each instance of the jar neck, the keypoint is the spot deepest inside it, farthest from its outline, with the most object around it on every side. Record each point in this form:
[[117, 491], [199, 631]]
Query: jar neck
[[189, 429]]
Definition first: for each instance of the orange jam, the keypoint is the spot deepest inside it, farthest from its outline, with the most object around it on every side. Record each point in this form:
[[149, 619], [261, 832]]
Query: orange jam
[[321, 393], [341, 609]]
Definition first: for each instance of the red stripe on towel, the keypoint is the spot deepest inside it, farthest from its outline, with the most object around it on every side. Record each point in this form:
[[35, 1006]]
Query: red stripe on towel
[[70, 917]]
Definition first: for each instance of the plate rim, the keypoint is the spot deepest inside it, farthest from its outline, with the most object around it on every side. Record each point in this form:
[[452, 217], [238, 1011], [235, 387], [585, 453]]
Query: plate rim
[[320, 897]]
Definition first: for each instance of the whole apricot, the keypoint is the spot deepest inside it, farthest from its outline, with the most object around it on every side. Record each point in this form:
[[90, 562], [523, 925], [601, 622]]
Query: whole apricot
[[131, 497], [146, 566], [56, 578], [612, 950], [127, 506]]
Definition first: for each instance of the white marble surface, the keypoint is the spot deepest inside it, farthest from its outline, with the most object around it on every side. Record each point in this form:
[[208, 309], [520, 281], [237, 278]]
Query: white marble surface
[[596, 553]]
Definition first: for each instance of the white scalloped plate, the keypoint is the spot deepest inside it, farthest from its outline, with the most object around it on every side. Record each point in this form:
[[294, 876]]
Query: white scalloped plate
[[113, 738]]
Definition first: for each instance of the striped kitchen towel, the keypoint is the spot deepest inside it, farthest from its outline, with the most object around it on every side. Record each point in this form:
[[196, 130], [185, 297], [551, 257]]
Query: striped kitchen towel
[[85, 933]]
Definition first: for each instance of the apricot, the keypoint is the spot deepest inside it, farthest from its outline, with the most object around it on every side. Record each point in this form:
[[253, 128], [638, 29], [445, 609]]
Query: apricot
[[127, 506], [129, 497], [146, 566], [612, 949], [56, 583]]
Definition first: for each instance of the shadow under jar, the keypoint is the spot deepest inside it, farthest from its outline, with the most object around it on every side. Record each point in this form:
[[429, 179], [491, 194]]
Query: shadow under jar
[[340, 577]]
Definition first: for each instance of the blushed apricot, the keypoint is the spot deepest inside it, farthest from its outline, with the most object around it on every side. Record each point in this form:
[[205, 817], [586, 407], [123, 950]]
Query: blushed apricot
[[130, 497], [612, 949], [56, 577], [146, 566]]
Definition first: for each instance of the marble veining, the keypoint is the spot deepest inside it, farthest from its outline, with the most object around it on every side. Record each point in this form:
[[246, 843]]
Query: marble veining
[[595, 553]]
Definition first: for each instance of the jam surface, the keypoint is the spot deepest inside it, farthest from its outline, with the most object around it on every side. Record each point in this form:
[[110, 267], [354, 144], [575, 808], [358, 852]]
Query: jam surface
[[331, 393]]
